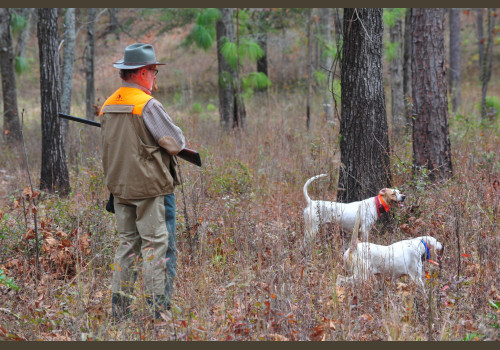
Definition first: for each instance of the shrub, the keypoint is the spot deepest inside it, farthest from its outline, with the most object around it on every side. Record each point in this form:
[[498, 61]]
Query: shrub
[[492, 106], [7, 281], [232, 177], [197, 108]]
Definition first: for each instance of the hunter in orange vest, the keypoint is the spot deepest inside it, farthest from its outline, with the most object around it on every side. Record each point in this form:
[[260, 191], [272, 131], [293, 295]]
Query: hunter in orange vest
[[140, 142]]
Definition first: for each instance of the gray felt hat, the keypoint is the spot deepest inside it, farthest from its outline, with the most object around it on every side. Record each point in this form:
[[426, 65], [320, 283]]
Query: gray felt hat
[[136, 56]]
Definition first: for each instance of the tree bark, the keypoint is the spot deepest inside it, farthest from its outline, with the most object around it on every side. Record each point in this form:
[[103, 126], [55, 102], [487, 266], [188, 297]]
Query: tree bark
[[114, 24], [23, 36], [487, 62], [338, 23], [364, 145], [68, 60], [262, 18], [309, 70], [262, 62], [326, 60], [407, 67], [54, 173], [89, 64], [431, 142], [231, 107], [480, 36], [455, 60], [398, 110], [11, 124]]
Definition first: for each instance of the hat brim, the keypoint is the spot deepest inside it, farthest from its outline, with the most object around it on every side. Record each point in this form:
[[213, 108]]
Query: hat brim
[[120, 65]]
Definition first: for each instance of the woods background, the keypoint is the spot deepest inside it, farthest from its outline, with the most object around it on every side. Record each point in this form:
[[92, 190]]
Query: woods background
[[269, 97]]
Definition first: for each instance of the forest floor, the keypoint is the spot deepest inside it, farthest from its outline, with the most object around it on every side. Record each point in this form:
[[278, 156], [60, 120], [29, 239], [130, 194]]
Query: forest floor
[[242, 271], [247, 277]]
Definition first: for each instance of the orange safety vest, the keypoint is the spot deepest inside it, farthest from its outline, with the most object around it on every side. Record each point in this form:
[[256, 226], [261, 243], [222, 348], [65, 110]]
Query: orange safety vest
[[135, 166], [128, 96]]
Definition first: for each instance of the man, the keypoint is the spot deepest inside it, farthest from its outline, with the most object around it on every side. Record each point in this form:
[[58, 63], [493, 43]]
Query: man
[[140, 142]]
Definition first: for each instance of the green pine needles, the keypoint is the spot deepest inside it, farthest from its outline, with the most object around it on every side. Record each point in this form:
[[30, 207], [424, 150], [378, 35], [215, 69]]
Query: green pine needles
[[203, 33], [246, 50], [391, 15]]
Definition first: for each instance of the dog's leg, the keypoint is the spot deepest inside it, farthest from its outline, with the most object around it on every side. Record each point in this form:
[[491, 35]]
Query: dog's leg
[[308, 225], [422, 284], [416, 275], [311, 228]]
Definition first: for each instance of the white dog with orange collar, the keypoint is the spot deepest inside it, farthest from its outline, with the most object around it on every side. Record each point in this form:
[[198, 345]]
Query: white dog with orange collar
[[318, 212]]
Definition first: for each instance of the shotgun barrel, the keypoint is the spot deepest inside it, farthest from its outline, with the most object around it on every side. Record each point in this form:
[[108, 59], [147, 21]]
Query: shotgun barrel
[[187, 154]]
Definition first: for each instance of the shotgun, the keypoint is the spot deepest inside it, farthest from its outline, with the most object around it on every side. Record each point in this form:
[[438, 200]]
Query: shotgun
[[187, 154]]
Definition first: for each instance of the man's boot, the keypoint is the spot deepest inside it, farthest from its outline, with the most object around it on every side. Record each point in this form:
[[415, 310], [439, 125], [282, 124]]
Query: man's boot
[[120, 307], [159, 305]]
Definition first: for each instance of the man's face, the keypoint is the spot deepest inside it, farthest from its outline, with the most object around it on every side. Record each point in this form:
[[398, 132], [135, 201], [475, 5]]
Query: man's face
[[148, 76]]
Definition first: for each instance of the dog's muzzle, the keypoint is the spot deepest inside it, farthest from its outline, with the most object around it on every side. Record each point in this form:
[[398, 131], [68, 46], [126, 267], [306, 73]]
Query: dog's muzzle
[[401, 200]]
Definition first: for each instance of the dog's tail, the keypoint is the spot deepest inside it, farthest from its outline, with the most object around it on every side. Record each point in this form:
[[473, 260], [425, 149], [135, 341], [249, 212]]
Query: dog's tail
[[307, 185]]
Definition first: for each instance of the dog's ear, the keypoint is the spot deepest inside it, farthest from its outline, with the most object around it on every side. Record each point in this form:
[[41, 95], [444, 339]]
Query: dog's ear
[[383, 191]]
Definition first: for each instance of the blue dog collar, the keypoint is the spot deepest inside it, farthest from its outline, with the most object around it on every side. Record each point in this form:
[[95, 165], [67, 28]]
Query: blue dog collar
[[426, 249]]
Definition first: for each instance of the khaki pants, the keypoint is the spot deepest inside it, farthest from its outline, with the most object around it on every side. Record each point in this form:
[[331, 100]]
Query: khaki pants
[[143, 232]]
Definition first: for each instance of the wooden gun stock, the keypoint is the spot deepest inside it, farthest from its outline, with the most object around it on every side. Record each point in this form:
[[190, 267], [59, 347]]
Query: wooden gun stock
[[187, 154], [190, 155]]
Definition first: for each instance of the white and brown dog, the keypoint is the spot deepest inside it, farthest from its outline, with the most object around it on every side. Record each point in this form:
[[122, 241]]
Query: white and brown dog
[[398, 259], [318, 212]]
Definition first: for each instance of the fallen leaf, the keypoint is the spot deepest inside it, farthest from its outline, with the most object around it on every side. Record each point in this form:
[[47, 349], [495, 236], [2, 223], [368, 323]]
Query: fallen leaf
[[278, 337], [340, 293], [27, 192], [61, 234], [318, 334], [366, 318], [30, 234]]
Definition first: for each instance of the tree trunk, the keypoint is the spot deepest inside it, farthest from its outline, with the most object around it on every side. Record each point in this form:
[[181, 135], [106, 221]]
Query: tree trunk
[[23, 36], [68, 59], [398, 110], [407, 67], [54, 173], [239, 116], [309, 70], [326, 60], [262, 62], [480, 36], [487, 62], [114, 24], [11, 124], [261, 20], [364, 145], [338, 22], [455, 60], [89, 64], [315, 42], [231, 107], [431, 142]]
